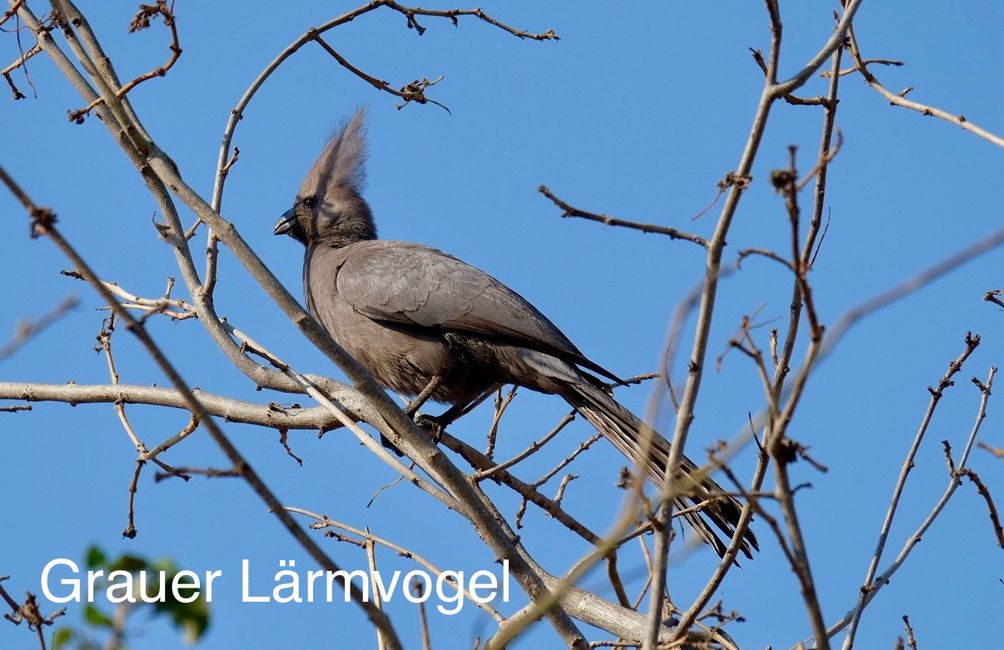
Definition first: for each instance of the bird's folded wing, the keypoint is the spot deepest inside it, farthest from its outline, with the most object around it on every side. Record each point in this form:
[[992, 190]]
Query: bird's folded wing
[[413, 285]]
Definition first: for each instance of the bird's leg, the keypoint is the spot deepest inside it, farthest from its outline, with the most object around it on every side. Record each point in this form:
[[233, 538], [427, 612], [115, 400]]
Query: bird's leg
[[412, 408], [470, 406], [387, 444], [424, 396], [438, 423]]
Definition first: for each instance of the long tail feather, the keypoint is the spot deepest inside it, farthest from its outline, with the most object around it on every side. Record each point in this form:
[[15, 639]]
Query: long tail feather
[[627, 433]]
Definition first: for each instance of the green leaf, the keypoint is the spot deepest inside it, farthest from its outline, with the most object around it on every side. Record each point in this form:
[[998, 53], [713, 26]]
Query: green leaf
[[62, 637], [130, 563], [96, 617], [191, 619], [95, 557]]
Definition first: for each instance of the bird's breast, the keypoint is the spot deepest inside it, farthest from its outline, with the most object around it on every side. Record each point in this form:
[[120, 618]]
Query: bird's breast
[[402, 357]]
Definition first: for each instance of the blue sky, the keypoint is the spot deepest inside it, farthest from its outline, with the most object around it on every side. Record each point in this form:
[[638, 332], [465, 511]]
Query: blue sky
[[637, 111]]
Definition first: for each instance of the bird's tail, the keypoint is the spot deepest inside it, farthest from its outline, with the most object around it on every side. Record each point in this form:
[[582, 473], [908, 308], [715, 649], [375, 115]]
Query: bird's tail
[[644, 447], [628, 434]]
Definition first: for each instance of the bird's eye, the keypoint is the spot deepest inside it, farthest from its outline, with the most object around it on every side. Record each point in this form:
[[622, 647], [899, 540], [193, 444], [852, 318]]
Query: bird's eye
[[310, 202]]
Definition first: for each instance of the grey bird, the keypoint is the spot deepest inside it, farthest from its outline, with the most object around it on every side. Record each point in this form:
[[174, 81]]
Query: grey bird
[[429, 325]]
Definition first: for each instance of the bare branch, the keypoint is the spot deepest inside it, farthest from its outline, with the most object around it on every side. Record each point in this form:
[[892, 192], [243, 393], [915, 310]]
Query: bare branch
[[996, 451], [910, 640], [771, 92], [899, 99], [323, 522], [29, 613], [139, 22], [908, 463], [828, 74], [995, 520], [534, 447], [911, 542], [569, 211], [413, 92], [43, 222], [994, 297]]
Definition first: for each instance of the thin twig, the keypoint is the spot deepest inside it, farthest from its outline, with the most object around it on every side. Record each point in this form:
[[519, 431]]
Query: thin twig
[[43, 222], [971, 343], [911, 542], [569, 211], [899, 99], [142, 21], [771, 92], [534, 447], [323, 522], [995, 520], [910, 639]]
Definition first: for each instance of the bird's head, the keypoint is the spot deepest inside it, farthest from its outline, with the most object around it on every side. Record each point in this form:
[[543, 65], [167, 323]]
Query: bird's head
[[329, 208]]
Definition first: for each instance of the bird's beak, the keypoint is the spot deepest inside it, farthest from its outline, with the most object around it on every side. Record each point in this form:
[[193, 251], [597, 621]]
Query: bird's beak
[[285, 223]]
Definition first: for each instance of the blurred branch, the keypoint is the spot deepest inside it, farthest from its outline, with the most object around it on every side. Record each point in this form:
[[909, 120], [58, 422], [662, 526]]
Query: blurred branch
[[43, 223], [29, 329], [162, 176], [728, 560], [323, 522], [772, 91], [546, 592], [834, 334], [996, 451], [910, 286]]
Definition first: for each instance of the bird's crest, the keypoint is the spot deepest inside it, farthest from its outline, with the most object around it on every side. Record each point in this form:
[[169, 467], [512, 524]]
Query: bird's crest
[[342, 163]]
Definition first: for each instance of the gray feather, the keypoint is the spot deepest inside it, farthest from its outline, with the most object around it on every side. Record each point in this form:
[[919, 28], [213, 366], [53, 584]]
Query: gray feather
[[410, 313], [342, 162], [411, 284]]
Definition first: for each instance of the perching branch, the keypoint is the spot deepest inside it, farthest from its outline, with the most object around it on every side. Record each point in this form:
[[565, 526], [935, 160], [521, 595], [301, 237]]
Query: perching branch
[[43, 223], [161, 174]]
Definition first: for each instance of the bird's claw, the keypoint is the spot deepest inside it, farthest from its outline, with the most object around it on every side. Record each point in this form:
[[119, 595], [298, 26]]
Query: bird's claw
[[434, 425]]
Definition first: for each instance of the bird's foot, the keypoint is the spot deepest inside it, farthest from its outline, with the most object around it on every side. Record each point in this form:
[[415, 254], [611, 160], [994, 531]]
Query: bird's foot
[[385, 441], [435, 425]]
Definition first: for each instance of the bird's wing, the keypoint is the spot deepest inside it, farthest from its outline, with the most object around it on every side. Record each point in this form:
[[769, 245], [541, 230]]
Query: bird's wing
[[413, 285]]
